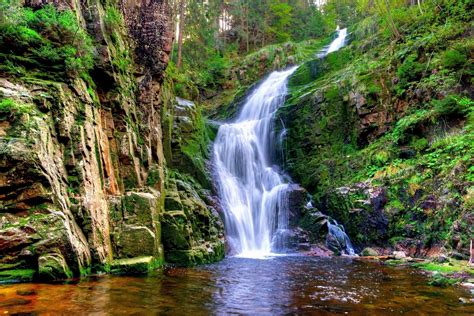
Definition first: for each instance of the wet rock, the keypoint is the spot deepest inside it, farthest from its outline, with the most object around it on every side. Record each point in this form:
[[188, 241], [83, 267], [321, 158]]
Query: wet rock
[[458, 256], [26, 292], [360, 208], [137, 265], [369, 252], [53, 266], [133, 241], [192, 231], [14, 301], [442, 259], [399, 255], [297, 200], [465, 300], [297, 240]]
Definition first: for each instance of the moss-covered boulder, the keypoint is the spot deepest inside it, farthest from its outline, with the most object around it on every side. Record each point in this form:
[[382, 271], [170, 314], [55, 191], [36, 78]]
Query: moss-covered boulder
[[137, 265], [192, 231], [136, 226], [53, 266]]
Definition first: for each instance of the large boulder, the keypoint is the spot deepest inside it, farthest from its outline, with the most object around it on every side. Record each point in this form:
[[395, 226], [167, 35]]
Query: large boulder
[[192, 231]]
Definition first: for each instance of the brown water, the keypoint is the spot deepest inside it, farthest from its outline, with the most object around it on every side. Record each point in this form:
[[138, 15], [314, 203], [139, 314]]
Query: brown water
[[282, 285]]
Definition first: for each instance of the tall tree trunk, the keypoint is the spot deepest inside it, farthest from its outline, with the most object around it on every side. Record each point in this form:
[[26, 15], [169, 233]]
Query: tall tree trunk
[[419, 6], [182, 7], [471, 259], [173, 14], [247, 25], [224, 27]]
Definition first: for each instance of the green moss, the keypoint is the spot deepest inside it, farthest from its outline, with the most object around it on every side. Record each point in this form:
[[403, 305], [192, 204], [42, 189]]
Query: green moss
[[153, 177], [138, 265], [455, 58], [47, 41], [440, 281], [448, 268], [9, 106], [17, 275]]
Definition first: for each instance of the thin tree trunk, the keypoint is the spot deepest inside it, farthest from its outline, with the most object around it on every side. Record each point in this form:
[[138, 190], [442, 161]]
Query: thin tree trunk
[[419, 6], [471, 259], [247, 25], [180, 30], [224, 28]]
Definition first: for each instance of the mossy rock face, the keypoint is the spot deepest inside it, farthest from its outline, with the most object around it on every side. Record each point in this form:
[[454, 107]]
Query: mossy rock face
[[382, 137], [369, 252], [53, 266], [190, 141], [80, 144], [136, 225], [177, 231], [17, 275], [133, 241], [207, 253], [137, 265], [192, 231]]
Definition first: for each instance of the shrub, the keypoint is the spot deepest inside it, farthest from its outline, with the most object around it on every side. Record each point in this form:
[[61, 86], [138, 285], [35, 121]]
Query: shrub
[[46, 38], [454, 58], [409, 70], [420, 144]]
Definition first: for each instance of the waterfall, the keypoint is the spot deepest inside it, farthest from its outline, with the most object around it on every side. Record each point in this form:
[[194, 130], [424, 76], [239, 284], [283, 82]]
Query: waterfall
[[253, 192]]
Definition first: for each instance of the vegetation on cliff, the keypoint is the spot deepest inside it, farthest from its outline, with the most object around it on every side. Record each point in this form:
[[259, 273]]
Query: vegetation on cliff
[[381, 132], [87, 126]]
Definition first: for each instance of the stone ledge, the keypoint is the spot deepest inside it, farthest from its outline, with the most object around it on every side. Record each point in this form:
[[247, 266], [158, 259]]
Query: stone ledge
[[136, 265]]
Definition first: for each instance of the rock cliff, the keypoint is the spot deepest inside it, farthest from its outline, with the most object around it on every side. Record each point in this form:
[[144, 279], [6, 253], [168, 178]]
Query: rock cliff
[[381, 134], [85, 112]]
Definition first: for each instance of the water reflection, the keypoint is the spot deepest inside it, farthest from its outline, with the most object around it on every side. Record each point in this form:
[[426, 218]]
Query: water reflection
[[282, 285]]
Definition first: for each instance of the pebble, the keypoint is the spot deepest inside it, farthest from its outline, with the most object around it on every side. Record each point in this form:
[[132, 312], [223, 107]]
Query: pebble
[[466, 300], [14, 301], [25, 292], [467, 284]]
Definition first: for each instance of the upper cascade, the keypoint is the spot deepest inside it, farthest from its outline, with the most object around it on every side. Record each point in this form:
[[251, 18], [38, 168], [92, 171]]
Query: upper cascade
[[253, 191], [339, 42]]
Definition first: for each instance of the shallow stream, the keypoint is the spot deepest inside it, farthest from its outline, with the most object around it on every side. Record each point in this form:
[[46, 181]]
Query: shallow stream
[[280, 285]]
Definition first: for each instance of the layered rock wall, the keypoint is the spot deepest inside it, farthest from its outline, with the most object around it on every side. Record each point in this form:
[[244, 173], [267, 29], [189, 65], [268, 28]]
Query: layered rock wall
[[82, 181]]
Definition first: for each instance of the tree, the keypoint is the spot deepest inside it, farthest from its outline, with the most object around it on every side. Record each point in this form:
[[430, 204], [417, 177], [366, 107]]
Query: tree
[[182, 8]]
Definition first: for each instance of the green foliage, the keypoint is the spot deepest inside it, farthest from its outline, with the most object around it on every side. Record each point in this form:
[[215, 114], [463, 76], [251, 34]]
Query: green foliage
[[420, 144], [393, 112], [410, 70], [454, 58], [47, 39], [281, 13], [9, 106]]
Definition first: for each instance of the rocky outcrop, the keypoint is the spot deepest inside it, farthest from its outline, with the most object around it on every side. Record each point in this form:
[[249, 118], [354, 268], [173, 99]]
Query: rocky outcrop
[[82, 165], [193, 232], [381, 148]]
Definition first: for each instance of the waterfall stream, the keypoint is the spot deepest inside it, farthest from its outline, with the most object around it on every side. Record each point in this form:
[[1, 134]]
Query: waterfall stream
[[253, 192]]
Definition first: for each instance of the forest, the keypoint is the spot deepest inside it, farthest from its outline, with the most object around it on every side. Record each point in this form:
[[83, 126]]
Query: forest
[[237, 157]]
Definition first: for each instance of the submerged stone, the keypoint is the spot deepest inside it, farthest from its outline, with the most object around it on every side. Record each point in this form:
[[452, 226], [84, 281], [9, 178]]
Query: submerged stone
[[17, 275], [137, 265]]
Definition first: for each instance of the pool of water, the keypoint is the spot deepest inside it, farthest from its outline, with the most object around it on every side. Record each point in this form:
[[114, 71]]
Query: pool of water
[[280, 285]]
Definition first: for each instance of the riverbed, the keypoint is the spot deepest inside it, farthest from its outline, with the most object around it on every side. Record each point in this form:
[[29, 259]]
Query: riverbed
[[273, 286]]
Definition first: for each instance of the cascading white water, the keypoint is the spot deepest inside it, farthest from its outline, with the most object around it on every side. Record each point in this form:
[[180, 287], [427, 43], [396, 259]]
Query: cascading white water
[[253, 192], [338, 42]]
